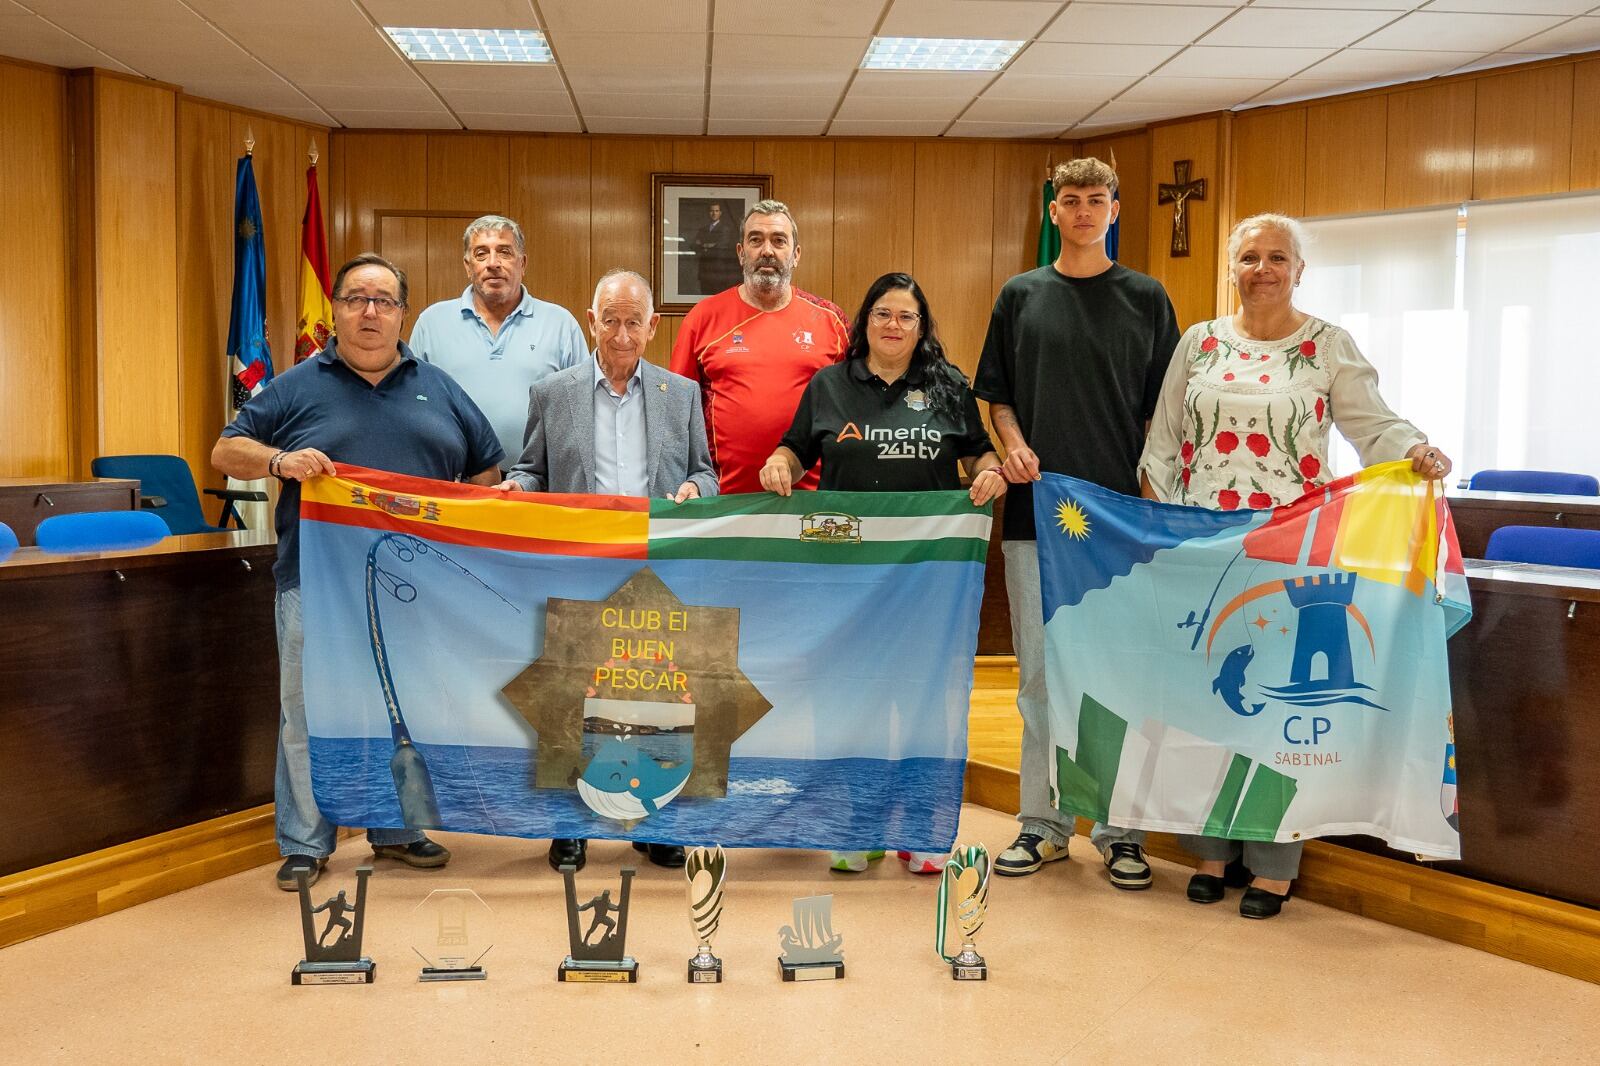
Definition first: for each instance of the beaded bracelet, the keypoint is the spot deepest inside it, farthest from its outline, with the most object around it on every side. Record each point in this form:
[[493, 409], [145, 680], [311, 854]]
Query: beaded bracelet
[[274, 463]]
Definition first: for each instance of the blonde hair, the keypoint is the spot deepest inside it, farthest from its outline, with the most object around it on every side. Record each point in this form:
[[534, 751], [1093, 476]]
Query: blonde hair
[[1289, 227], [1083, 173]]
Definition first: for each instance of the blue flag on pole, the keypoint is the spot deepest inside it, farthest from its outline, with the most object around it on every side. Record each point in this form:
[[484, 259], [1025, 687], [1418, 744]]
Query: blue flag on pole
[[249, 353]]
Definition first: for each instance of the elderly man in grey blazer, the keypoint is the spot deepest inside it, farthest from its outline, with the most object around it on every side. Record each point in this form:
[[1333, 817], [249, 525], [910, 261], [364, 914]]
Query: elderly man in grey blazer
[[616, 425]]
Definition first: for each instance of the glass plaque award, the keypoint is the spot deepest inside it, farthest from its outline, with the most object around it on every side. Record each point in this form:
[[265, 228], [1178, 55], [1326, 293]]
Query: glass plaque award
[[452, 930], [812, 951]]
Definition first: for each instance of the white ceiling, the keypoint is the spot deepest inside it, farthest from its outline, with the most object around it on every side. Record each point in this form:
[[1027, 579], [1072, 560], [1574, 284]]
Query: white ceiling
[[789, 67]]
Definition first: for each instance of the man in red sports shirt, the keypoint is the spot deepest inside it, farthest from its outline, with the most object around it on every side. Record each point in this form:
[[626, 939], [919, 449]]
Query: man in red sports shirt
[[754, 347]]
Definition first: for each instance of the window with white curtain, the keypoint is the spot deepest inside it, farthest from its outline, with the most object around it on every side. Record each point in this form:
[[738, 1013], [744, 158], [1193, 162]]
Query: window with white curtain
[[1480, 320]]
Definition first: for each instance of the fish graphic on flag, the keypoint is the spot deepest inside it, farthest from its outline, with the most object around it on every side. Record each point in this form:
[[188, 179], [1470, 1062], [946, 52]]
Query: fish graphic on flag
[[753, 670], [1258, 675]]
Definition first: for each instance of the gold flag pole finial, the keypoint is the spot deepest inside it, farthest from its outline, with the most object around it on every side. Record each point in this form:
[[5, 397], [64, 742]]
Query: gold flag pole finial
[[1113, 160], [312, 152], [250, 140]]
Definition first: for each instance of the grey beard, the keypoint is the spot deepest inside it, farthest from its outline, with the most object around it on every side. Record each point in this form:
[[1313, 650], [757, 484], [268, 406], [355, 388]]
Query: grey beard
[[768, 282]]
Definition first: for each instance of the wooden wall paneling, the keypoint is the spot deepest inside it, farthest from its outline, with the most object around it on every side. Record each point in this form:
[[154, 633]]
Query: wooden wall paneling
[[874, 206], [135, 178], [659, 351], [802, 177], [1019, 173], [1346, 156], [1268, 165], [706, 156], [619, 228], [446, 275], [380, 171], [403, 240], [550, 200], [1191, 281], [36, 373], [1585, 130], [1522, 133], [83, 417], [1132, 154], [1429, 155], [469, 172], [953, 242], [206, 158]]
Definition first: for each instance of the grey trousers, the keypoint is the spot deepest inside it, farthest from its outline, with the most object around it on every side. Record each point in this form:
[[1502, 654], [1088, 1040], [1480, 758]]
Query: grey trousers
[[1038, 813], [1275, 862]]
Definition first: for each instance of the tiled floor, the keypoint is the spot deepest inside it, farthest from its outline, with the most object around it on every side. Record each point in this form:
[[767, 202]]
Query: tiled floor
[[1081, 973]]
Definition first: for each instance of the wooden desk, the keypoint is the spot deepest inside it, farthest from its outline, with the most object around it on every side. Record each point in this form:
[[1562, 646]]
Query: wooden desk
[[140, 692], [27, 501], [1478, 514]]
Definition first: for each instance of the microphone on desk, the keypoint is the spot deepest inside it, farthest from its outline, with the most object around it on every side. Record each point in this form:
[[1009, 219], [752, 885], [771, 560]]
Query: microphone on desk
[[99, 531]]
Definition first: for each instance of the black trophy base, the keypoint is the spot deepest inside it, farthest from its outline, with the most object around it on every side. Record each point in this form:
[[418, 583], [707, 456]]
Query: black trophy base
[[467, 973], [811, 971], [583, 972], [705, 975], [360, 972], [979, 972]]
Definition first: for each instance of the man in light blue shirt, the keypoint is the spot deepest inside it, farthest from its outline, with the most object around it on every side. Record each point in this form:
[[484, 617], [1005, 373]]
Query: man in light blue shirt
[[496, 339]]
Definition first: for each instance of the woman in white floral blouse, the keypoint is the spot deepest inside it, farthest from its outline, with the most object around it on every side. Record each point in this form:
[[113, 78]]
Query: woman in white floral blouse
[[1243, 422]]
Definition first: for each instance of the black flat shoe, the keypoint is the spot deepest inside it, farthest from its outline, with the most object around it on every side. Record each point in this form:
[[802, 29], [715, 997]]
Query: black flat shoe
[[669, 855], [573, 853], [1206, 888], [1259, 903], [1236, 874], [423, 854]]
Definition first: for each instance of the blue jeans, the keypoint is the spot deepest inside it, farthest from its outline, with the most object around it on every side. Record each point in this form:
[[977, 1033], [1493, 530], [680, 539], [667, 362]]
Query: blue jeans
[[1038, 813], [302, 830]]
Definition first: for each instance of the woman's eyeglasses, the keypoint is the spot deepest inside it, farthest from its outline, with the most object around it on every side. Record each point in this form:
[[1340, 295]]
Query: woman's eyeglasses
[[882, 316]]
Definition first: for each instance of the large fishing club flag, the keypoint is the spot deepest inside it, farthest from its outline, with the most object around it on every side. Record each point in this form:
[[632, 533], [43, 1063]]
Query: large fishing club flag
[[1259, 675], [743, 670]]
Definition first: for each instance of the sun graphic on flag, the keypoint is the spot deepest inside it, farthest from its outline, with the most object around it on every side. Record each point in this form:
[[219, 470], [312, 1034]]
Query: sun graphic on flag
[[1073, 522]]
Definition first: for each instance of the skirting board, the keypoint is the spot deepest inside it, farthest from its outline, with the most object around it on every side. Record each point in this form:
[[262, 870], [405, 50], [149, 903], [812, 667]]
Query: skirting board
[[42, 900], [1542, 932]]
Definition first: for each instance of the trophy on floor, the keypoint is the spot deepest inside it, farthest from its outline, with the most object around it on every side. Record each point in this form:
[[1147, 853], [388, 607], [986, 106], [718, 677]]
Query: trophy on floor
[[812, 951], [451, 931], [598, 960], [706, 870], [968, 867], [339, 962]]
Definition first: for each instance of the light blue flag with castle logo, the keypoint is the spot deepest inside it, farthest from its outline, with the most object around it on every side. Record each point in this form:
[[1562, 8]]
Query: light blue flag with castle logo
[[1258, 675]]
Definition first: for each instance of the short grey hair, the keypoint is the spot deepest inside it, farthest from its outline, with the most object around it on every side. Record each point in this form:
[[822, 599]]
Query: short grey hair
[[1289, 227], [770, 207], [492, 224], [618, 273]]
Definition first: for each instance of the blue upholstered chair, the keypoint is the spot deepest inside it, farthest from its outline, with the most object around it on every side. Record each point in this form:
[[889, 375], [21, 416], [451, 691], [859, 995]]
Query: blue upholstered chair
[[99, 531], [167, 490], [1549, 545], [1544, 482], [8, 541]]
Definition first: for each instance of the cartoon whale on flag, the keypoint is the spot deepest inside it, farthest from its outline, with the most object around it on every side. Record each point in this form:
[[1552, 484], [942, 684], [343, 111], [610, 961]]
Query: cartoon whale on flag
[[624, 782]]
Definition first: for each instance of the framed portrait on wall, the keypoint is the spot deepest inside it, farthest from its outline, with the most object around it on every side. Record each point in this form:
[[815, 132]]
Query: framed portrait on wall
[[695, 220]]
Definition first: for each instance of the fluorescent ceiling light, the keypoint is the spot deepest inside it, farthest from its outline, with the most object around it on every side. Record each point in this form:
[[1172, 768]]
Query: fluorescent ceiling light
[[938, 53], [470, 46]]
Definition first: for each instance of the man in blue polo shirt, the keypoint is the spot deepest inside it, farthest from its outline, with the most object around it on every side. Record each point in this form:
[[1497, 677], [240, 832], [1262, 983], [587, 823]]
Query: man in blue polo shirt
[[365, 400], [496, 339]]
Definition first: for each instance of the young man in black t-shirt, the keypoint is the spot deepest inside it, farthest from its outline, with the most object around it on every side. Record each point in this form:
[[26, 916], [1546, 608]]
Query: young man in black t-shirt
[[1071, 368]]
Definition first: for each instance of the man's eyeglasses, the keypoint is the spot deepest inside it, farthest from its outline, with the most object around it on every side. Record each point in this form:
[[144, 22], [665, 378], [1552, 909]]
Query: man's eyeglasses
[[882, 316], [382, 304]]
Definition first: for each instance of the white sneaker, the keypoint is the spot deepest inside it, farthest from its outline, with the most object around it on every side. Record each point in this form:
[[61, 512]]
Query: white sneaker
[[924, 862], [852, 862]]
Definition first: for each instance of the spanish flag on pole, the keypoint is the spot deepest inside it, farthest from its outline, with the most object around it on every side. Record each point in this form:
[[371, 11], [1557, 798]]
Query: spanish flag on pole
[[316, 310]]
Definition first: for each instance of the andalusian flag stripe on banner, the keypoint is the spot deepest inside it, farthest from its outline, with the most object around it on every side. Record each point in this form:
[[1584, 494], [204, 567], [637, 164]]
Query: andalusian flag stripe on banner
[[749, 670], [1266, 675]]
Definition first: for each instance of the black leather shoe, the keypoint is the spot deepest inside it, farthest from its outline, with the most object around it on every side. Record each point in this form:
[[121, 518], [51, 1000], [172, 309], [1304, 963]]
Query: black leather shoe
[[1259, 903], [573, 853], [1236, 874], [291, 863], [424, 854], [1206, 888], [668, 855]]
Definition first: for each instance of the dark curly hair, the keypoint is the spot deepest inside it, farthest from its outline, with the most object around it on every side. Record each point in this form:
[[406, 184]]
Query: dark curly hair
[[941, 381]]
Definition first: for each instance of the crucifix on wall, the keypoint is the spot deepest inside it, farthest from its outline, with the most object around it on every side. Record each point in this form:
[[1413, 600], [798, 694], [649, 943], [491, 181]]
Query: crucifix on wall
[[1178, 194]]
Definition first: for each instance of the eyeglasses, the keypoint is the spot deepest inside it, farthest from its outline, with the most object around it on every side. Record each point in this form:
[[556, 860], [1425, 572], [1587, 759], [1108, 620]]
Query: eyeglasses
[[882, 316], [382, 304]]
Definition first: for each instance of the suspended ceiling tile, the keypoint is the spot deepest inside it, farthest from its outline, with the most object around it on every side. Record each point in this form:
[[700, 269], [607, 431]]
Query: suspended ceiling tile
[[458, 14], [760, 53], [1273, 64], [644, 124], [628, 105], [1302, 89], [1104, 23], [1374, 64], [1014, 86], [510, 77], [1048, 58], [1006, 130], [396, 120], [1256, 27], [637, 79], [1118, 111], [604, 52], [908, 108], [785, 108], [923, 83], [733, 127], [524, 123], [883, 128], [374, 98], [292, 37], [796, 18], [626, 16], [1525, 7], [1435, 31], [1396, 6], [1060, 113], [1003, 20], [26, 36], [1579, 35], [1502, 59], [485, 101], [763, 83], [1203, 93]]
